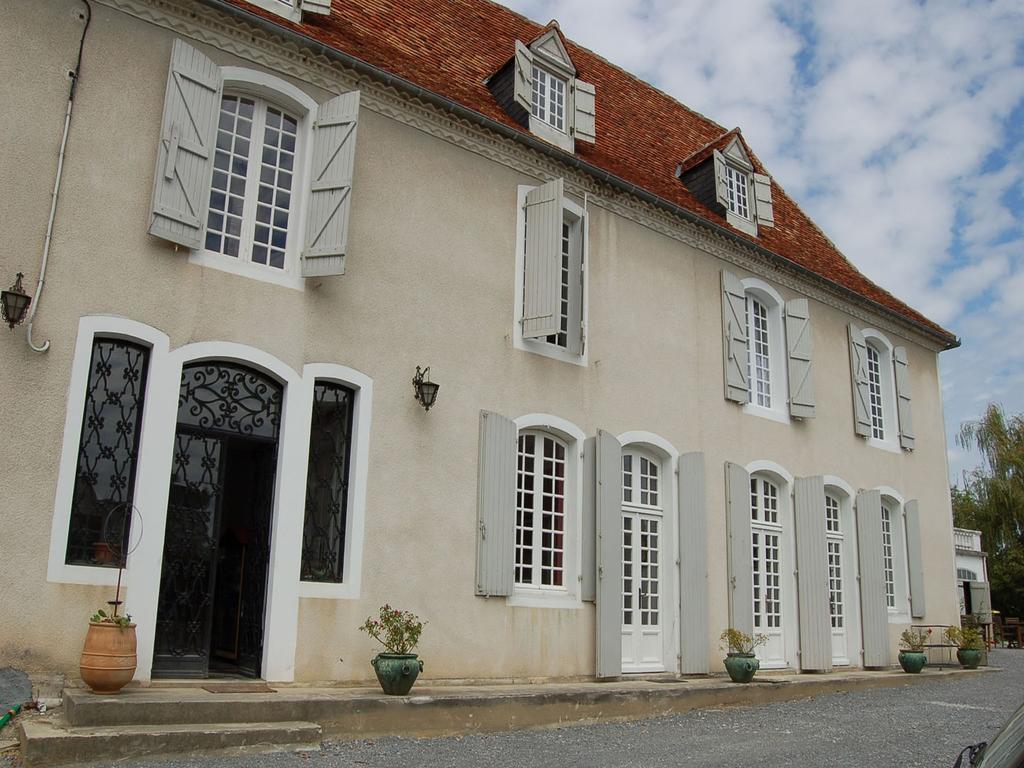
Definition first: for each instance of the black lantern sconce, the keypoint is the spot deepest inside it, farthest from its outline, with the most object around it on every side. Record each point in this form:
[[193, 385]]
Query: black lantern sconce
[[14, 303], [426, 390]]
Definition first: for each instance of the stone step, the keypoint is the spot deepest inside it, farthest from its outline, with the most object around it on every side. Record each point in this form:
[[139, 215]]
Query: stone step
[[48, 742]]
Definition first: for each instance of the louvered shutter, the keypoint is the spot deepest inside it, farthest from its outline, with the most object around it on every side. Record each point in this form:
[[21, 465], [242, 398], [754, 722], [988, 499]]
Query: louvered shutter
[[873, 609], [915, 559], [542, 286], [859, 382], [188, 135], [799, 349], [981, 601], [330, 198], [522, 89], [496, 511], [694, 645], [734, 338], [899, 358], [585, 119], [763, 208], [588, 562], [721, 180], [608, 472], [741, 580], [812, 574]]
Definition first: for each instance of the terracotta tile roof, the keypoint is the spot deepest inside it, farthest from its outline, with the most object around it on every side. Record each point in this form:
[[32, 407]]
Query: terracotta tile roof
[[451, 47]]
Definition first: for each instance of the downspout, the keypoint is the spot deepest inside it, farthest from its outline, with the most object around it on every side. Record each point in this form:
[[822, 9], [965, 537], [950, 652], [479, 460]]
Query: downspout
[[56, 185], [618, 183]]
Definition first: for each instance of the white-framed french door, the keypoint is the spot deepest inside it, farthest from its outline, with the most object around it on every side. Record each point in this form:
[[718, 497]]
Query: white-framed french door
[[838, 577], [767, 549], [643, 571]]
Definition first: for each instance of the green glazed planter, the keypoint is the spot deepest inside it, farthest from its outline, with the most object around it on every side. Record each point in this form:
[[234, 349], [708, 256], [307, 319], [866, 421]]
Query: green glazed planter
[[741, 667], [969, 658], [396, 672], [912, 661]]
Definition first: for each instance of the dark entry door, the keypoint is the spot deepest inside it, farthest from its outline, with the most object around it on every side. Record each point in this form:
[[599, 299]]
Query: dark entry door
[[216, 544]]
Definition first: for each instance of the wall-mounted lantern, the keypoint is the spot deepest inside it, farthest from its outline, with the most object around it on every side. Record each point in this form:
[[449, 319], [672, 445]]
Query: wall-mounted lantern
[[14, 303], [426, 390]]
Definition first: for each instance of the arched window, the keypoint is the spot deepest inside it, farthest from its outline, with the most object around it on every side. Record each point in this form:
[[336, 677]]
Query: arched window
[[834, 543], [766, 350], [540, 510], [888, 554], [766, 541], [643, 572]]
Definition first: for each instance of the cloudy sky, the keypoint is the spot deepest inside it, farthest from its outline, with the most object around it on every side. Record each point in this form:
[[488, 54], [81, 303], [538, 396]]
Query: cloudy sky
[[898, 125]]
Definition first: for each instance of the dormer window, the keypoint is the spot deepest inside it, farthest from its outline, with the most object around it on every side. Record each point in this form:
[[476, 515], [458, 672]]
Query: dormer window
[[736, 186], [538, 87]]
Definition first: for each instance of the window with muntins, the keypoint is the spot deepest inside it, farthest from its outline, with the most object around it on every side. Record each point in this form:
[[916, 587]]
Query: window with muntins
[[875, 394], [540, 511], [548, 101], [737, 182], [834, 544], [766, 534], [641, 541], [251, 195], [566, 272], [107, 454], [887, 557], [325, 528], [966, 574], [758, 354]]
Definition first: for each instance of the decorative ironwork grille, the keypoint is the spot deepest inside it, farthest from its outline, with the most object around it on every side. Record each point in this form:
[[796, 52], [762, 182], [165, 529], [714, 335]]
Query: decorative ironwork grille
[[224, 397], [330, 444], [107, 453]]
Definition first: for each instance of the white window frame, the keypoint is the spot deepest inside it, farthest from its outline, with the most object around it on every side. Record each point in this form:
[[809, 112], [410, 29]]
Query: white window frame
[[743, 168], [546, 97], [738, 179], [541, 346], [845, 493], [563, 139], [880, 343], [288, 9], [893, 500], [281, 94], [773, 302], [568, 595]]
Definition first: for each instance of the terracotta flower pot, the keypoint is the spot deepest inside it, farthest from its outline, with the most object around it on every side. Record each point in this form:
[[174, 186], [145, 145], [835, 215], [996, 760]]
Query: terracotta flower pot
[[108, 658]]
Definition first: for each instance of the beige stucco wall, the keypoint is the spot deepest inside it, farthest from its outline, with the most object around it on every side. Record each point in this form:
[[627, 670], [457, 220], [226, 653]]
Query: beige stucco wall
[[429, 281]]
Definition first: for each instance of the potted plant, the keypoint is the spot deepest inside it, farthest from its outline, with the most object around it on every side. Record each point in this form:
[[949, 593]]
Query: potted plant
[[740, 661], [398, 631], [108, 659], [968, 642], [912, 657]]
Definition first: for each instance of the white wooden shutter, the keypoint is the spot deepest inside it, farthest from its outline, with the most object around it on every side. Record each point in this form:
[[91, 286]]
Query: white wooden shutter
[[763, 208], [588, 564], [859, 382], [585, 109], [799, 350], [741, 580], [496, 510], [523, 77], [542, 285], [322, 7], [721, 180], [899, 360], [188, 135], [981, 601], [694, 630], [330, 198], [873, 608], [608, 471], [734, 338], [915, 559], [812, 574]]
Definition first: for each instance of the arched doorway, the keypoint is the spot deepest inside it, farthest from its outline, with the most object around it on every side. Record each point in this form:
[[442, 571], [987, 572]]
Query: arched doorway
[[217, 541]]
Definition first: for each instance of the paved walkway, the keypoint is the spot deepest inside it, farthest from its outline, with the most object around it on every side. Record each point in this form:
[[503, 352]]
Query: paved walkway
[[923, 724]]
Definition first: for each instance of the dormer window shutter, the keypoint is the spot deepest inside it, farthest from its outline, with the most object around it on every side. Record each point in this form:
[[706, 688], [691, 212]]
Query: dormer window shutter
[[333, 161], [901, 365], [721, 181], [585, 118], [188, 132], [763, 200], [522, 89], [542, 288]]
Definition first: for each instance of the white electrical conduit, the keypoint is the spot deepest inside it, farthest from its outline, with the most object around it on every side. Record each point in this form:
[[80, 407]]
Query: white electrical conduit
[[56, 187]]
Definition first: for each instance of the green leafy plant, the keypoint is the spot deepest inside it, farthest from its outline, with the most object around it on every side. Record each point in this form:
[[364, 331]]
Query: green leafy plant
[[398, 631], [101, 617], [914, 640], [736, 641], [967, 637]]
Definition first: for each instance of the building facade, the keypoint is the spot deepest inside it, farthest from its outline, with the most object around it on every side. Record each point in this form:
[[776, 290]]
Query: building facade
[[667, 404]]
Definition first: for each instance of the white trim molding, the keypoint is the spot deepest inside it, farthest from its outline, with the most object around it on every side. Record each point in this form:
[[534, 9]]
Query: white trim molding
[[771, 468], [880, 343], [778, 379], [894, 501]]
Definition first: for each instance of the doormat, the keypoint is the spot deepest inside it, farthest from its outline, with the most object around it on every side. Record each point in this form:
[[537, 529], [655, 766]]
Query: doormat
[[238, 688]]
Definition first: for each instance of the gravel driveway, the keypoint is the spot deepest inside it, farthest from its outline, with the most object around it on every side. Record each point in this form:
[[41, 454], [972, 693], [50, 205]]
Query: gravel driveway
[[921, 724]]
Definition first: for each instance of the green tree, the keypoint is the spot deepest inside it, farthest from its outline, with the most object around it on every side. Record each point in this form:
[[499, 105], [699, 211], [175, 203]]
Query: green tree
[[992, 501]]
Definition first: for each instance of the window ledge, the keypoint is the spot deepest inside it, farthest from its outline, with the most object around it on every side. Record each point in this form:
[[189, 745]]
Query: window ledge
[[327, 591], [885, 445], [236, 266], [740, 223], [552, 135], [536, 598], [766, 413], [544, 349], [291, 12]]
